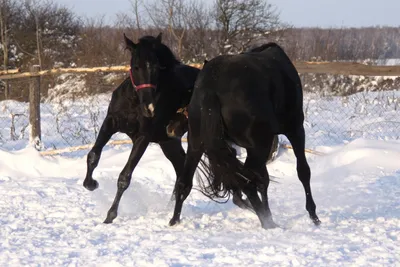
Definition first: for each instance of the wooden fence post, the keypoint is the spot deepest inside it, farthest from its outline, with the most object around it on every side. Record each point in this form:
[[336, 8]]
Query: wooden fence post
[[7, 90], [34, 109]]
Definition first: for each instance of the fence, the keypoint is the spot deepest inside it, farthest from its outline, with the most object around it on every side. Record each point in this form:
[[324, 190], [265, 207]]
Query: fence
[[60, 122]]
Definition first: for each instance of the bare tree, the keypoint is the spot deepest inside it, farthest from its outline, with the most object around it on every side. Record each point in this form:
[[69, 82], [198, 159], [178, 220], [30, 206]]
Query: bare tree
[[135, 5], [8, 16], [187, 23], [170, 15], [4, 30], [135, 20], [198, 45], [4, 14], [33, 7], [241, 23], [100, 44], [46, 33]]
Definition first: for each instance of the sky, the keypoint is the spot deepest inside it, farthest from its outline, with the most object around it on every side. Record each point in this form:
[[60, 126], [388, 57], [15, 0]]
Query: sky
[[300, 13]]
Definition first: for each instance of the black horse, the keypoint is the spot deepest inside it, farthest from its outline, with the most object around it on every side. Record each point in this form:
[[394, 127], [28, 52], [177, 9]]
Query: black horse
[[142, 107], [245, 99], [123, 115]]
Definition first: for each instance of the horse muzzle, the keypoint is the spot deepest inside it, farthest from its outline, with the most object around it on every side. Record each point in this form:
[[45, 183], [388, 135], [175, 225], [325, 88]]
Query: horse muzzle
[[148, 110]]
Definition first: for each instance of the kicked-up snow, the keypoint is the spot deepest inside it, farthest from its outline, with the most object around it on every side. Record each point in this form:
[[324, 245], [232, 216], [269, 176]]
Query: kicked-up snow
[[47, 218]]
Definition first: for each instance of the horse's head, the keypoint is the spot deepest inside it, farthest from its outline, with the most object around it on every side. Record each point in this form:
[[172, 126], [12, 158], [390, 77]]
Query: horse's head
[[144, 71]]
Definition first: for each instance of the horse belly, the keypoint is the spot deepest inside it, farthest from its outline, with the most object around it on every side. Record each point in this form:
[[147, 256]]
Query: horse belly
[[243, 129]]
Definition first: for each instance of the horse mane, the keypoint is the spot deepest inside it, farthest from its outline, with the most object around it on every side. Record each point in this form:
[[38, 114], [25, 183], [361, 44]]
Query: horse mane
[[164, 54], [266, 46], [263, 47]]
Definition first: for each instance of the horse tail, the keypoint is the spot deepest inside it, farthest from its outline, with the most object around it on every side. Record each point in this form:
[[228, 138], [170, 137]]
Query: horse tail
[[223, 172]]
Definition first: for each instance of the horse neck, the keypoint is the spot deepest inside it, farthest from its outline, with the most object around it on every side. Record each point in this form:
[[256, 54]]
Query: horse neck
[[167, 58], [169, 64]]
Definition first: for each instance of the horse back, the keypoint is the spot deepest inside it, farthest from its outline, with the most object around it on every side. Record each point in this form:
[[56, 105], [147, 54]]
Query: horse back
[[248, 78], [256, 87], [274, 52]]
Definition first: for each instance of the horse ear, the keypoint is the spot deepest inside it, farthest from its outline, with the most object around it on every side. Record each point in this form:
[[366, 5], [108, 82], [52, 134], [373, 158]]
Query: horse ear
[[159, 37], [205, 61], [129, 44]]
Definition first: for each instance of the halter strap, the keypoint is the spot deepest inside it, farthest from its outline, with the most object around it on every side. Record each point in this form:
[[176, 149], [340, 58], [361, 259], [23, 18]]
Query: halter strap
[[140, 86]]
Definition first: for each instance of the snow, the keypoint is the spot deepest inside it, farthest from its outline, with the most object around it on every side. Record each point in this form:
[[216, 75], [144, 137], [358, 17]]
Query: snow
[[388, 62], [65, 121], [47, 218], [72, 121]]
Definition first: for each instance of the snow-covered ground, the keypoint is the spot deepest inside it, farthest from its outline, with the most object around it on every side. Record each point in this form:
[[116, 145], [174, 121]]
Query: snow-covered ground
[[47, 218], [330, 120]]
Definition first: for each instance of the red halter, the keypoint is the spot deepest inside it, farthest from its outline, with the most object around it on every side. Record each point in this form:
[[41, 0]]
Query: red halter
[[140, 86]]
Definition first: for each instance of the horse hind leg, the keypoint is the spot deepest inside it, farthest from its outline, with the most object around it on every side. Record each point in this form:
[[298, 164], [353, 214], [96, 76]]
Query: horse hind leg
[[173, 151], [106, 131], [183, 186], [171, 145], [184, 182], [263, 215], [237, 193], [255, 162], [297, 140], [240, 202]]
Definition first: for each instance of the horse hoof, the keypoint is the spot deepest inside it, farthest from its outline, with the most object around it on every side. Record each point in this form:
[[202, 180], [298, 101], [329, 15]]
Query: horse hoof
[[91, 186], [270, 225], [173, 222], [107, 221], [111, 215], [316, 221]]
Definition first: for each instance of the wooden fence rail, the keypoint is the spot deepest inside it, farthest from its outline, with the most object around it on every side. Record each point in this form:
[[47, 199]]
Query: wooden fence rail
[[342, 68], [13, 71], [125, 142]]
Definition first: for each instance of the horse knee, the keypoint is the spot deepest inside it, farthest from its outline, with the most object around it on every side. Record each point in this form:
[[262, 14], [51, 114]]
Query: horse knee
[[183, 190], [123, 181], [93, 158]]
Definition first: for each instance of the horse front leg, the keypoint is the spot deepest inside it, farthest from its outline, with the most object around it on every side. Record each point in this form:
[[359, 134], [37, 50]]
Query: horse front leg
[[124, 179], [106, 131]]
